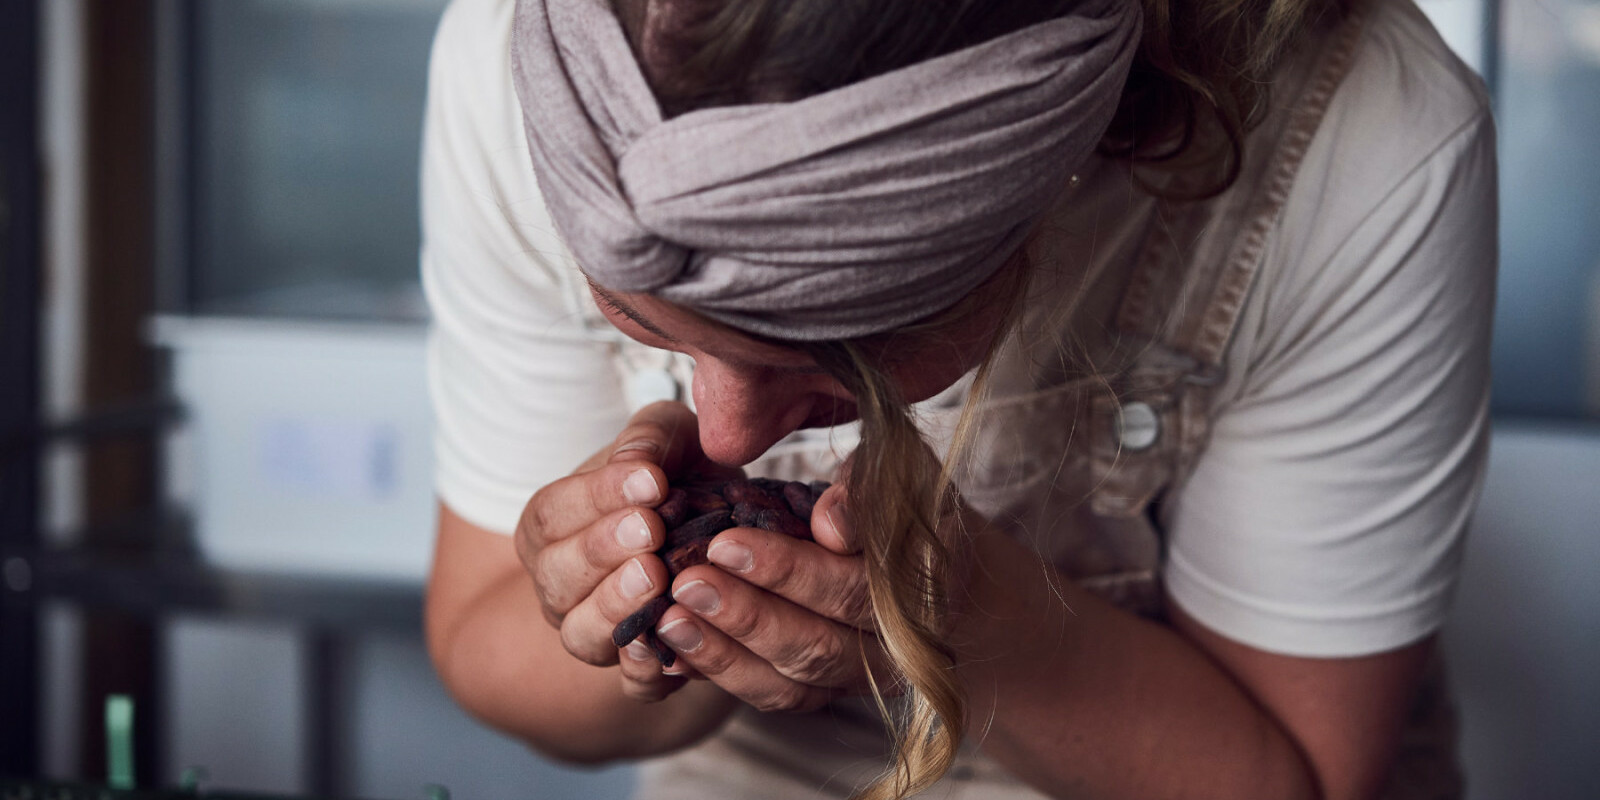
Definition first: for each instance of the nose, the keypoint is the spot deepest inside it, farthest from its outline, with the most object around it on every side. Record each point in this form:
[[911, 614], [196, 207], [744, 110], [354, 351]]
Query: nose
[[744, 413]]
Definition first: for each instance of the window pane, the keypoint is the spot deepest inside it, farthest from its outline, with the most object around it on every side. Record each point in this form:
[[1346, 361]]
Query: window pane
[[1547, 337], [308, 117]]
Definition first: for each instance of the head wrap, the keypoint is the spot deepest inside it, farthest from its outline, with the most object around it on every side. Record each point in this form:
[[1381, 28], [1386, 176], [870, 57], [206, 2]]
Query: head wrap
[[842, 214]]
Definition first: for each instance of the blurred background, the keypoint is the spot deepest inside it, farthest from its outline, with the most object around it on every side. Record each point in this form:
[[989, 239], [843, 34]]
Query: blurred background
[[214, 448]]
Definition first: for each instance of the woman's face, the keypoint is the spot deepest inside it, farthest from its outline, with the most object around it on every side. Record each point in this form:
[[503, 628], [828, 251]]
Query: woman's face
[[750, 393]]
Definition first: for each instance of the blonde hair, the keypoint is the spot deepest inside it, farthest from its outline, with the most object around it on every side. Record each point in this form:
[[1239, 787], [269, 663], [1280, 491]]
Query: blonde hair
[[903, 506]]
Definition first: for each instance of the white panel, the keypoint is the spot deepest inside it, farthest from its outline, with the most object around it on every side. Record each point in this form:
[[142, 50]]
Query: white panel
[[234, 705], [1524, 639], [309, 447]]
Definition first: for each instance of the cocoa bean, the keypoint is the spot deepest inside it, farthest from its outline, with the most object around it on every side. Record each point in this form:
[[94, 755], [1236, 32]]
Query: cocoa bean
[[705, 502], [664, 654], [689, 554], [694, 513], [800, 499], [701, 527], [771, 519], [641, 621], [754, 494], [674, 510]]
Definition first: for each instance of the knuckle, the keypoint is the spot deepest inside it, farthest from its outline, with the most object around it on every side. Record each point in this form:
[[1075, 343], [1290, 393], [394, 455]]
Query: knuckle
[[780, 575], [535, 520], [714, 660], [594, 547], [789, 696], [644, 430], [815, 660], [855, 606], [739, 621], [555, 600]]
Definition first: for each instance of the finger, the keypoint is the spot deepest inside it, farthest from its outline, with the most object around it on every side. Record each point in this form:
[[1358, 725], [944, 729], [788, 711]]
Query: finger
[[827, 583], [587, 629], [739, 672], [561, 508], [642, 676], [568, 570], [665, 433], [798, 643], [830, 522]]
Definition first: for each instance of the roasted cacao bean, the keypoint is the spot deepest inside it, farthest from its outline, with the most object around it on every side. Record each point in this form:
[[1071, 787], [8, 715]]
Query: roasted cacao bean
[[641, 621], [694, 514]]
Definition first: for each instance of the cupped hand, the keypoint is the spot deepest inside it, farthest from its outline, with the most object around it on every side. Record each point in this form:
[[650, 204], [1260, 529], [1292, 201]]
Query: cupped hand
[[781, 623], [588, 540]]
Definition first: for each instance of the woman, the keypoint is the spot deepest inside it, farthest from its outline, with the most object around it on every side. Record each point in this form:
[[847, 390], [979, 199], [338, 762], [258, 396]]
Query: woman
[[1219, 461]]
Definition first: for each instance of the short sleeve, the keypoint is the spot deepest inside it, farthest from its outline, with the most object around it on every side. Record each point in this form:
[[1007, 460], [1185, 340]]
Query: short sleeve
[[1327, 514], [522, 391]]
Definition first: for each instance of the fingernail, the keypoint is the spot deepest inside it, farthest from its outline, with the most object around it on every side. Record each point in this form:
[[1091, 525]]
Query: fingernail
[[646, 445], [633, 533], [635, 581], [840, 532], [638, 652], [641, 488], [732, 555], [699, 597], [682, 635]]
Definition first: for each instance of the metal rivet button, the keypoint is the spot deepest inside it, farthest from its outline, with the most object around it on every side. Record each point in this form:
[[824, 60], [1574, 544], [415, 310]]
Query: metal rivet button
[[1138, 426]]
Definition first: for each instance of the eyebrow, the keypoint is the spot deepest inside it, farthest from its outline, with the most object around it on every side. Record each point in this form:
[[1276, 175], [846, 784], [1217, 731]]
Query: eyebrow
[[628, 311], [642, 321]]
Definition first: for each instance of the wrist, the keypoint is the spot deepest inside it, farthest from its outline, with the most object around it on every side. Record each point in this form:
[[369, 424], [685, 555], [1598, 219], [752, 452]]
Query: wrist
[[1014, 609]]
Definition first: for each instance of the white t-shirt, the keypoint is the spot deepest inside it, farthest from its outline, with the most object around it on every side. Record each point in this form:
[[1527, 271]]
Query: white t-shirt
[[1326, 515]]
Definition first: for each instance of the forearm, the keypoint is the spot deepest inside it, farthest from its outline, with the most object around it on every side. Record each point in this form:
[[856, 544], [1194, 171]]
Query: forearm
[[1098, 703], [505, 664]]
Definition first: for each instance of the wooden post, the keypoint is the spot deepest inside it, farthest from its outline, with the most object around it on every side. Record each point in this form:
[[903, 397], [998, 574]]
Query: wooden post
[[121, 652]]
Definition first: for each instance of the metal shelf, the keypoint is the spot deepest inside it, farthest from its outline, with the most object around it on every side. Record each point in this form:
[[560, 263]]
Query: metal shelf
[[162, 585]]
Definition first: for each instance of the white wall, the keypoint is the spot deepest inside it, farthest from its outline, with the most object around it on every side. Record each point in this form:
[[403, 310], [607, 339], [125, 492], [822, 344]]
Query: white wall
[[1524, 639]]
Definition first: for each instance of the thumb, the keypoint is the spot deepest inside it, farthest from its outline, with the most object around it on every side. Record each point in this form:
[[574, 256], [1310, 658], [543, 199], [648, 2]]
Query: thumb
[[830, 522], [666, 434]]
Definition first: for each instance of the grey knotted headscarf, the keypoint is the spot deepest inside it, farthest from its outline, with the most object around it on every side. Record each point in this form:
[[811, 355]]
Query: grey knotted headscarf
[[846, 213]]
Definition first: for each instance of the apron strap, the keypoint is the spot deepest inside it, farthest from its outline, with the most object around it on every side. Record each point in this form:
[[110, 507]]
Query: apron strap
[[1181, 295]]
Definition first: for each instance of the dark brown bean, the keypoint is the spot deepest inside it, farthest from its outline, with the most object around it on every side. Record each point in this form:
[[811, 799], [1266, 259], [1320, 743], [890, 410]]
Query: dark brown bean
[[689, 554], [701, 527], [754, 494], [663, 653], [694, 513], [705, 502], [771, 519], [674, 510], [771, 486], [800, 499], [640, 621]]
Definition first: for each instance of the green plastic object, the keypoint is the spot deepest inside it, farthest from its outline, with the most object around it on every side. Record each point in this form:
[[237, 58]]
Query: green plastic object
[[119, 742]]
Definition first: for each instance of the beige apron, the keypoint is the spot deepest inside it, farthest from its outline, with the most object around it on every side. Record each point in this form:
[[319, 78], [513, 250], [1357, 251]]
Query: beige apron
[[1091, 416]]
